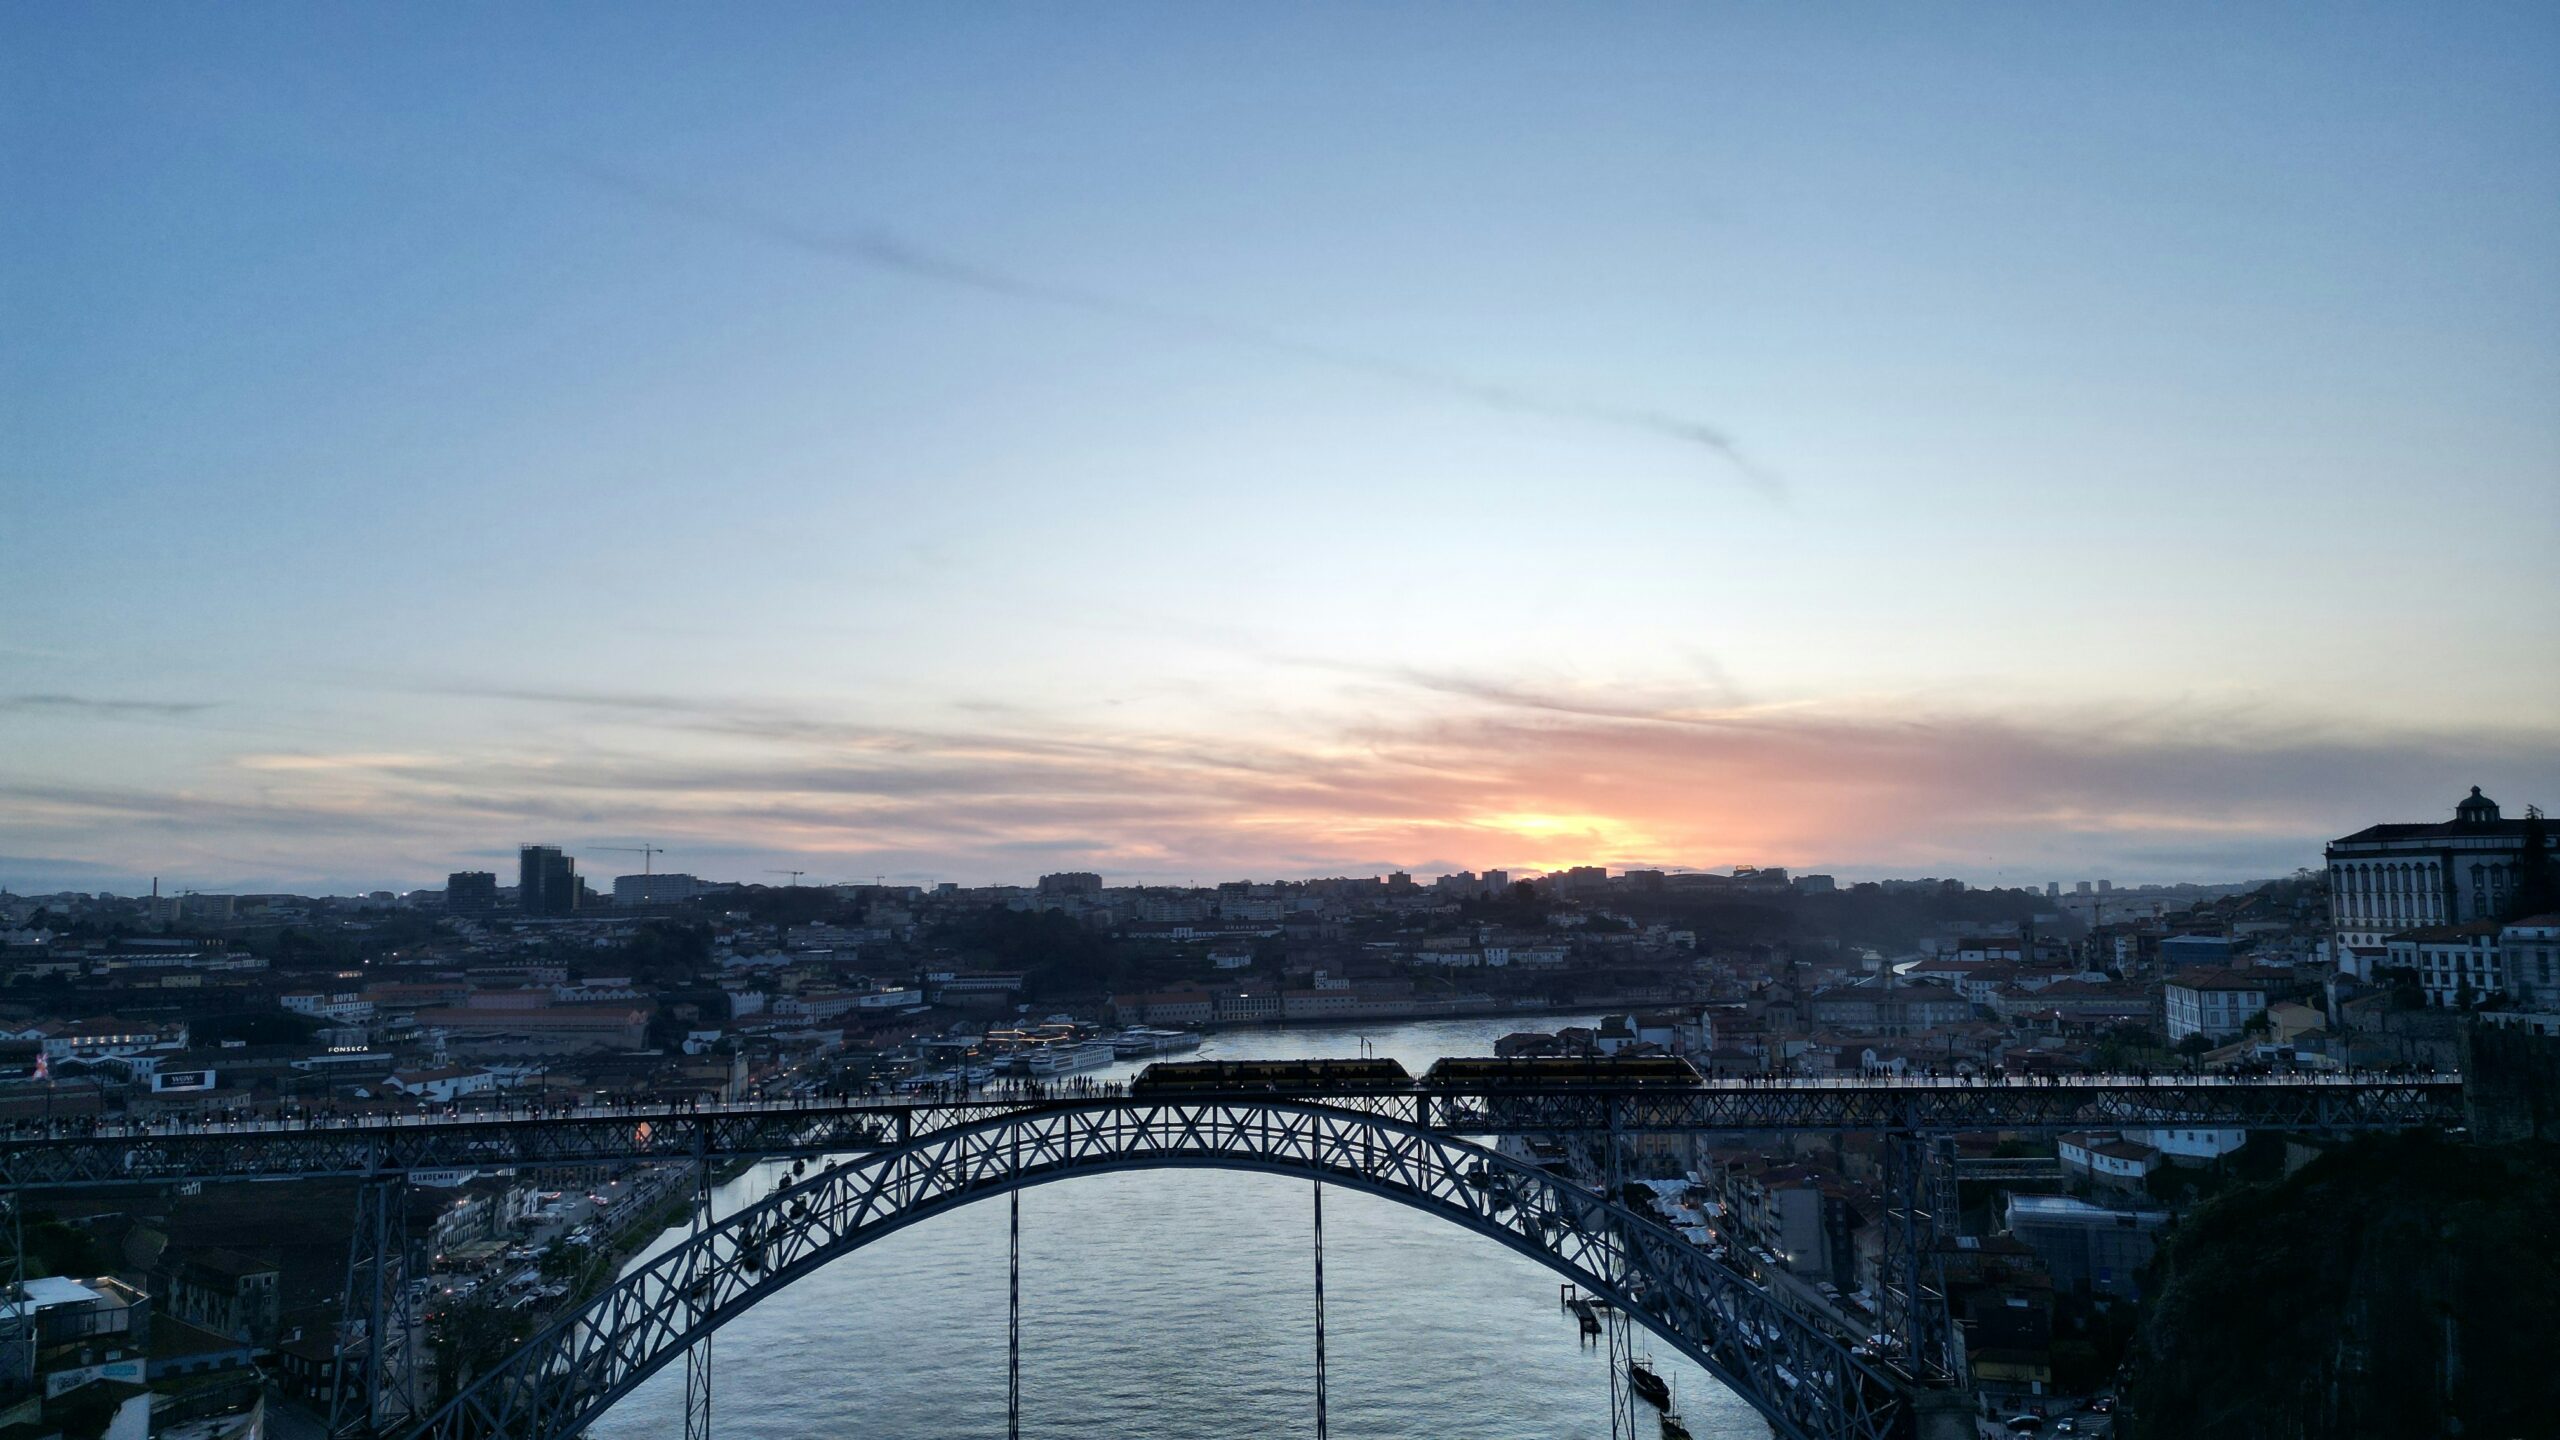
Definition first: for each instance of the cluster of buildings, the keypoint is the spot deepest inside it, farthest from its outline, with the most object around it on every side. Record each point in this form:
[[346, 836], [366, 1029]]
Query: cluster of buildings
[[676, 988], [2449, 908], [2350, 968], [158, 1327]]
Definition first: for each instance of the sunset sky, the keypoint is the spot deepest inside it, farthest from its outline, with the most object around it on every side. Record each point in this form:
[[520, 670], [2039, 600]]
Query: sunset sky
[[1192, 442]]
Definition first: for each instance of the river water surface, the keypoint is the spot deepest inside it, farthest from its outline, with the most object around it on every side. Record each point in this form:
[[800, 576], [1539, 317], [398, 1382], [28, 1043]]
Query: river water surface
[[1177, 1305]]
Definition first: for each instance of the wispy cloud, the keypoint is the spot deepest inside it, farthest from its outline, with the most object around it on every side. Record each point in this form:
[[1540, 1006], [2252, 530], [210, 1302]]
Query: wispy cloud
[[1495, 777], [311, 763], [877, 248], [101, 708], [1713, 700]]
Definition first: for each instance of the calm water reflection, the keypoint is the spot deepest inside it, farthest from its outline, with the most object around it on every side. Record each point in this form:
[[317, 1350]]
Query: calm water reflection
[[1176, 1304]]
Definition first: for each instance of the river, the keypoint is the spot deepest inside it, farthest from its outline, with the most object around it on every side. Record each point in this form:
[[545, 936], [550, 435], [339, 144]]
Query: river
[[1164, 1304]]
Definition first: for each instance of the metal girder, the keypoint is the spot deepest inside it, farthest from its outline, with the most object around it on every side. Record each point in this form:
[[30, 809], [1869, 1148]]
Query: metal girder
[[36, 1156], [1322, 1405], [17, 1318], [1013, 1318], [1949, 1106], [375, 1385], [1619, 1335], [1919, 1221], [1808, 1382], [697, 1357]]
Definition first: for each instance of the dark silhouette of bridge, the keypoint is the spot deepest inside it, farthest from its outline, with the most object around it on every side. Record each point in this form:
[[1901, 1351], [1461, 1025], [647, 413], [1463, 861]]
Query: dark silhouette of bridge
[[879, 1165], [40, 1155]]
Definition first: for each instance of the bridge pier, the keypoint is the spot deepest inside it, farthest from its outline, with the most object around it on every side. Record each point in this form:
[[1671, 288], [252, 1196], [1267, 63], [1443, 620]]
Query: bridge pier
[[1321, 1419], [697, 1360], [1920, 1186], [376, 1383], [17, 1327]]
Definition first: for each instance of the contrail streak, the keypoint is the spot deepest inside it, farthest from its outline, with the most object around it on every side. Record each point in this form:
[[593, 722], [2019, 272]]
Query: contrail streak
[[884, 251]]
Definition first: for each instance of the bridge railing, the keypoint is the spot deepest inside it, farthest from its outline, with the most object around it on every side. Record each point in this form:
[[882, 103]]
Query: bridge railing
[[60, 1155]]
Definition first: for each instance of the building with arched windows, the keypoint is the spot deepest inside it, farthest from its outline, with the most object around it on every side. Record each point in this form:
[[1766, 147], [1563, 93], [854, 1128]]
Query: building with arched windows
[[2386, 879]]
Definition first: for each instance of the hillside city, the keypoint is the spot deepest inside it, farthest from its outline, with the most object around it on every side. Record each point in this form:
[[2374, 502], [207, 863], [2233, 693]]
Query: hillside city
[[195, 1314]]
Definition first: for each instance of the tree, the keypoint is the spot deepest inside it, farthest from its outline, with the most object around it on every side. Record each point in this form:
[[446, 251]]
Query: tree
[[2128, 1045], [2373, 1249], [2537, 885], [561, 1260], [2402, 982], [474, 1336], [792, 904], [1056, 955], [56, 1248], [2167, 1183]]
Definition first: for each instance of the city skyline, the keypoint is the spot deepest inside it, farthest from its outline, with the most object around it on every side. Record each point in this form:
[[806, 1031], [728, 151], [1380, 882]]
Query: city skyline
[[2011, 446]]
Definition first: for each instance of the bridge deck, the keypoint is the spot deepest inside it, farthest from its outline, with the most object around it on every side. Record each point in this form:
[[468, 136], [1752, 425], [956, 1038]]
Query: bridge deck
[[61, 1153]]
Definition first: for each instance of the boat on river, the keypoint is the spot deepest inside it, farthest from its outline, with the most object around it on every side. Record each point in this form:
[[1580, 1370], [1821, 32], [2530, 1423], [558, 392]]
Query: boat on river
[[1138, 1042], [1648, 1386], [1067, 1059]]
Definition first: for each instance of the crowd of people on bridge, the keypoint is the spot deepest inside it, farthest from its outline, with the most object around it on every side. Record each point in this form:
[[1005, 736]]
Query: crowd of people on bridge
[[249, 1119], [290, 1115]]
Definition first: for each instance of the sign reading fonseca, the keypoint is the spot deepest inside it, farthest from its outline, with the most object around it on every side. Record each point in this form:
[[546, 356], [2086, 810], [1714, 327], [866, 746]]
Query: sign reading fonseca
[[166, 1080]]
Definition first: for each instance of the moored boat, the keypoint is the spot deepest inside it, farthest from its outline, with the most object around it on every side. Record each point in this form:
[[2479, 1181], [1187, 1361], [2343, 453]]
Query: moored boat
[[1067, 1059], [1648, 1386], [1139, 1042]]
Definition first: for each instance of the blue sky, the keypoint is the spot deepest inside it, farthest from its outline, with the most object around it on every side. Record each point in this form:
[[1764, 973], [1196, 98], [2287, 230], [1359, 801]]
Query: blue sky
[[1186, 441]]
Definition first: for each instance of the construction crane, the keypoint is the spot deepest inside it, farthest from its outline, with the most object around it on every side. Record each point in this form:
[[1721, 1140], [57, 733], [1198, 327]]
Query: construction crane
[[645, 852], [794, 874]]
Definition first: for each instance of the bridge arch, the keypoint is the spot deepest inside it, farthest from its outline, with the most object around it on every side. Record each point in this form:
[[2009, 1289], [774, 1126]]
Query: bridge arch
[[1805, 1380]]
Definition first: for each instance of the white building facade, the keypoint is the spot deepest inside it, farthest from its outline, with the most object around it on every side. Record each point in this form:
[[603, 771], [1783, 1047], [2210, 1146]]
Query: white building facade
[[2214, 1005], [2530, 951], [2455, 964], [2385, 879], [2191, 1146]]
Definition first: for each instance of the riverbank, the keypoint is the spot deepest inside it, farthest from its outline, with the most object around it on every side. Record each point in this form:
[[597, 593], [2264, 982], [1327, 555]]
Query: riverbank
[[642, 1228]]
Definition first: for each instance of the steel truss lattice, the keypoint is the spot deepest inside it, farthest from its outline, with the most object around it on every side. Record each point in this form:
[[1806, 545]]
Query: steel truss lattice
[[38, 1155], [1806, 1381], [17, 1319], [1920, 1220], [697, 1356], [376, 1386]]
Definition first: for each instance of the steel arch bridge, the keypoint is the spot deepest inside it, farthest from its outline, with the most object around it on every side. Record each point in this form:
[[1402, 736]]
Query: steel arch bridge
[[1808, 1382], [375, 1389]]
